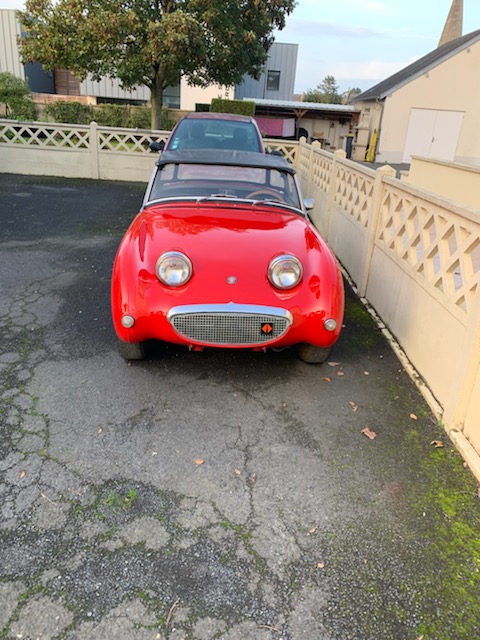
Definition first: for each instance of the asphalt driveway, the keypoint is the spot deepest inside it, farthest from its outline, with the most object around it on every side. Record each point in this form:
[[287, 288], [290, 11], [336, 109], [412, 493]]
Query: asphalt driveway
[[214, 495]]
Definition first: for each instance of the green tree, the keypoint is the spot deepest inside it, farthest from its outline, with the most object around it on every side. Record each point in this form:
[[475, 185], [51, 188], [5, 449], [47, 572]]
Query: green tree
[[15, 94], [350, 93], [326, 91], [153, 42]]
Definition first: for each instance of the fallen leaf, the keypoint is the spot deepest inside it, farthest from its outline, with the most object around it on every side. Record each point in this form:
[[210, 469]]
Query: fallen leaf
[[253, 478], [420, 637], [340, 373], [23, 473], [99, 430], [320, 565], [199, 461], [326, 379], [366, 373], [312, 530], [437, 444], [413, 416], [334, 364], [371, 435], [353, 405], [238, 472]]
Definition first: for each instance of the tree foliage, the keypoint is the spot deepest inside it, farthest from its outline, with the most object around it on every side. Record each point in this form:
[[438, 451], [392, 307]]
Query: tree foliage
[[153, 42], [15, 94], [326, 91]]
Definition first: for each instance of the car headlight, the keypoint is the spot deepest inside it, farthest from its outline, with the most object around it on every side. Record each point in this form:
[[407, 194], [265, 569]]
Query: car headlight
[[173, 268], [285, 272]]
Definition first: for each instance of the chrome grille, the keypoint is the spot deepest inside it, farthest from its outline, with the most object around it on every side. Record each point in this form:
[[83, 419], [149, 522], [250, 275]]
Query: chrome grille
[[230, 325]]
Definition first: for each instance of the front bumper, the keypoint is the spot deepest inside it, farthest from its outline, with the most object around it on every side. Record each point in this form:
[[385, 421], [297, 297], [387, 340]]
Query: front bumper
[[229, 325]]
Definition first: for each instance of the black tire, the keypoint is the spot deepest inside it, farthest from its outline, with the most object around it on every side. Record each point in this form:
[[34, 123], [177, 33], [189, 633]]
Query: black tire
[[132, 350], [312, 354]]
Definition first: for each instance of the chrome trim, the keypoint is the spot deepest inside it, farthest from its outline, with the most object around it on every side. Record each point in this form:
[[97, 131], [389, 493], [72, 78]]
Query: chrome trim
[[229, 324]]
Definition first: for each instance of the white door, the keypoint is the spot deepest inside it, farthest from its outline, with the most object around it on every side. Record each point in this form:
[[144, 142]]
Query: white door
[[432, 134]]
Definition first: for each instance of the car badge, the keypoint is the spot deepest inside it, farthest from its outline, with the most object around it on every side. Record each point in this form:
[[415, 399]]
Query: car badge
[[231, 280], [267, 328]]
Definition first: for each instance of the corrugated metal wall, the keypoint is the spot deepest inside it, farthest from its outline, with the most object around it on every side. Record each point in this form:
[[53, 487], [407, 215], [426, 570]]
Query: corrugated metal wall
[[110, 88], [9, 55], [282, 57]]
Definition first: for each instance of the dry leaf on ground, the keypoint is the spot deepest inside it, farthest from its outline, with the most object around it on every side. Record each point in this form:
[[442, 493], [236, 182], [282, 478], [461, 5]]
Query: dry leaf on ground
[[371, 435], [437, 444], [353, 405], [340, 373], [413, 416], [199, 461], [326, 379], [334, 364], [23, 473]]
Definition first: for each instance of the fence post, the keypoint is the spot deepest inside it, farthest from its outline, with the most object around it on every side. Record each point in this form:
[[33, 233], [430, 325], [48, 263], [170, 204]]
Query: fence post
[[463, 378], [94, 148], [372, 227], [338, 154]]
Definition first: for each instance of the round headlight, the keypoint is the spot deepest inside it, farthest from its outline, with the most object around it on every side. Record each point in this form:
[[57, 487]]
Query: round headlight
[[285, 272], [173, 268]]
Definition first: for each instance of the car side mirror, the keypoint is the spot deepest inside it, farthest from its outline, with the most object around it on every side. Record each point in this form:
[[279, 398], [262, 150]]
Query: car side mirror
[[157, 146], [309, 203]]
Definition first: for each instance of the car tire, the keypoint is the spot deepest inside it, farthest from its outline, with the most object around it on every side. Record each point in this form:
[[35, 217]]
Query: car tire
[[312, 354], [132, 350]]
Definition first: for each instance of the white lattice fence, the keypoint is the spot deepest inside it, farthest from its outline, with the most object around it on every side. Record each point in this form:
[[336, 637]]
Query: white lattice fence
[[435, 242], [107, 152], [128, 140], [353, 191], [65, 137], [288, 149]]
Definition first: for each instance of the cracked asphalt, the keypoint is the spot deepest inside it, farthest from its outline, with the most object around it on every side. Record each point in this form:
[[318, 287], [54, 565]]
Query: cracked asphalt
[[295, 526]]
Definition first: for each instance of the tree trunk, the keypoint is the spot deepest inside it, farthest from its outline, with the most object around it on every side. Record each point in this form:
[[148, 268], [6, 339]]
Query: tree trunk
[[156, 100]]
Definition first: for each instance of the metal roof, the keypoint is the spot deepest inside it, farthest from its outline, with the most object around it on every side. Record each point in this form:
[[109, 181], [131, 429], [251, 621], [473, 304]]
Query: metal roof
[[417, 68], [297, 104]]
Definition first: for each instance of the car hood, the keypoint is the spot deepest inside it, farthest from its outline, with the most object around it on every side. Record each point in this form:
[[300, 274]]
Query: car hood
[[224, 231], [225, 241]]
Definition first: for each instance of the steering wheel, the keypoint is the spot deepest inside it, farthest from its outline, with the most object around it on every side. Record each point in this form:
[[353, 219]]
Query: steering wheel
[[270, 193]]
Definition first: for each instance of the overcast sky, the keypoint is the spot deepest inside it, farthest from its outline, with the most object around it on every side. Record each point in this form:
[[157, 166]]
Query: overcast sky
[[360, 42]]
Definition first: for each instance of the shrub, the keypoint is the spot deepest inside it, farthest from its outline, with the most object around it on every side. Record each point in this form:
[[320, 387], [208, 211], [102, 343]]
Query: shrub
[[15, 94], [70, 112], [241, 107], [110, 115]]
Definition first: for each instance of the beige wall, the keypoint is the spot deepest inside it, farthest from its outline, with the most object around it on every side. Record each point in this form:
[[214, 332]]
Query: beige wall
[[453, 85], [189, 95], [457, 182]]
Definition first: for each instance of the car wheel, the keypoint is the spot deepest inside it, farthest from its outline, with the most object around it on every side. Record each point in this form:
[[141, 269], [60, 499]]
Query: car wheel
[[132, 350], [312, 354]]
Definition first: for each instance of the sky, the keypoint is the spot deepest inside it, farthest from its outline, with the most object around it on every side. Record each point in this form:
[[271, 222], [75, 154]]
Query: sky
[[360, 42]]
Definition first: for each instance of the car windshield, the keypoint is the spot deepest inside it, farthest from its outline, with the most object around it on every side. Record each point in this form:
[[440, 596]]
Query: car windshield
[[220, 181], [215, 134]]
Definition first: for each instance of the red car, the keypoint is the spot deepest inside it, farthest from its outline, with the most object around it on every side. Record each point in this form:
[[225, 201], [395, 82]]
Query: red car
[[222, 254]]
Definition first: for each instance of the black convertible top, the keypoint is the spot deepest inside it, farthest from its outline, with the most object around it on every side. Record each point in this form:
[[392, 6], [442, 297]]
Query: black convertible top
[[225, 158]]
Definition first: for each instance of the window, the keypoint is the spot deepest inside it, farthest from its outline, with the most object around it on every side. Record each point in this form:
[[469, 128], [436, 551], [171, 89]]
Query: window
[[273, 80]]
